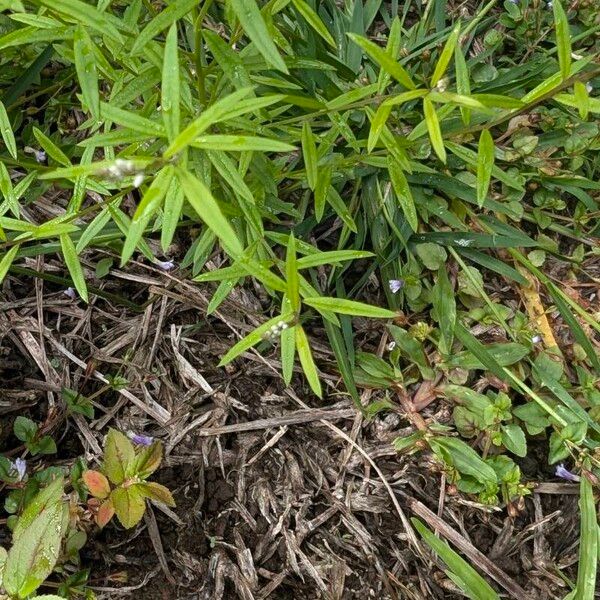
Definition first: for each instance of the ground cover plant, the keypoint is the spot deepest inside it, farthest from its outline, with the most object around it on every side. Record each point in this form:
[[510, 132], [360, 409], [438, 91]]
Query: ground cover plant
[[374, 211]]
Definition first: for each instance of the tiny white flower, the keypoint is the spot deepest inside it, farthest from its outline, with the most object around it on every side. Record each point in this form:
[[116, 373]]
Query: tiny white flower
[[284, 326], [442, 84], [589, 87], [280, 323], [549, 5], [71, 293], [391, 346], [536, 339], [138, 180]]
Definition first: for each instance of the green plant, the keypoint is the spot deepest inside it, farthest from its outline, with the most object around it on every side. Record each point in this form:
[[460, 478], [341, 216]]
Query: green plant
[[361, 159], [52, 520]]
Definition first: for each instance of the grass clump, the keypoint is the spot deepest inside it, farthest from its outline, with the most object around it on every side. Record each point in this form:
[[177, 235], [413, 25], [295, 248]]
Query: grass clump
[[428, 165]]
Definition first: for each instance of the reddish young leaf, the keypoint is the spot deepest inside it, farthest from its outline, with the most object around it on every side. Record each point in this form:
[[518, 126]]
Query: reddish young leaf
[[97, 484], [105, 513]]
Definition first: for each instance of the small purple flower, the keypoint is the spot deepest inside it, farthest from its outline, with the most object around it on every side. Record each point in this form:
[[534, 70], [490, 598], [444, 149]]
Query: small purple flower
[[140, 439], [166, 265], [20, 466], [40, 155], [564, 473], [71, 293], [396, 285]]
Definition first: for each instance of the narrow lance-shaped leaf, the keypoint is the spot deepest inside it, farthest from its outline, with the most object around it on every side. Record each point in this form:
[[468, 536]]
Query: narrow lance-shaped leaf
[[6, 261], [563, 38], [147, 208], [588, 544], [463, 86], [307, 361], [384, 60], [226, 108], [51, 148], [169, 101], [73, 265], [485, 164], [87, 73], [349, 307], [260, 333], [433, 127], [291, 274], [287, 344], [7, 190], [164, 19], [202, 201], [254, 25], [403, 193], [582, 98], [172, 207], [463, 574], [444, 303], [7, 132], [309, 152], [313, 19], [445, 56]]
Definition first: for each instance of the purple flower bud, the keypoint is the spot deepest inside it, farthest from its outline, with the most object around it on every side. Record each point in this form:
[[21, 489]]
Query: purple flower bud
[[564, 473], [396, 285], [20, 466], [166, 265], [71, 293], [140, 439]]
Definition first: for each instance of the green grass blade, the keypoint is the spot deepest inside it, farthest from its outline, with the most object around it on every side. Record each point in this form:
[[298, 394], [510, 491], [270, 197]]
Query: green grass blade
[[485, 164], [563, 38], [307, 361], [202, 201], [73, 265], [169, 101], [433, 127], [7, 133], [471, 582], [163, 20], [254, 25]]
